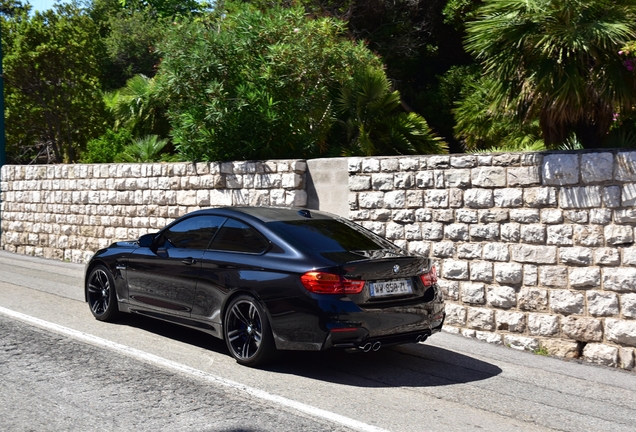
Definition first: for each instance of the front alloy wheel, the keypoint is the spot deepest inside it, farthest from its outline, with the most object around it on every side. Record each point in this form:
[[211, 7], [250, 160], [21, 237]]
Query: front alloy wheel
[[100, 293], [247, 332]]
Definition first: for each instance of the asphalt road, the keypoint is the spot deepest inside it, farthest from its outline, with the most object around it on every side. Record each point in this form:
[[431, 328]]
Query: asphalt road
[[60, 369]]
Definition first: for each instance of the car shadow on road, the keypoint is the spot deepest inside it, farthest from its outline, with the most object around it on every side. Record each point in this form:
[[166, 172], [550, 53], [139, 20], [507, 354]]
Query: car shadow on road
[[412, 365]]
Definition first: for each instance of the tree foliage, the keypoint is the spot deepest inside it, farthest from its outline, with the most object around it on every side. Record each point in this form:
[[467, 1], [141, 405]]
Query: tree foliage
[[558, 62], [51, 73], [254, 85]]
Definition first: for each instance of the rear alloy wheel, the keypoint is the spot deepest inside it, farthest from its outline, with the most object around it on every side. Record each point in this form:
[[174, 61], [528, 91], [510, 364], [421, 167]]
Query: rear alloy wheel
[[247, 332], [100, 292]]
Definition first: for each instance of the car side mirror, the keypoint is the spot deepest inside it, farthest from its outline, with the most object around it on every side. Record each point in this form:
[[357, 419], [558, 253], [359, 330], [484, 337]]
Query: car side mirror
[[146, 240]]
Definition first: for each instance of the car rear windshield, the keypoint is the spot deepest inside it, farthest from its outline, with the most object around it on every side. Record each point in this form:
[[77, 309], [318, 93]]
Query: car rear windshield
[[329, 235]]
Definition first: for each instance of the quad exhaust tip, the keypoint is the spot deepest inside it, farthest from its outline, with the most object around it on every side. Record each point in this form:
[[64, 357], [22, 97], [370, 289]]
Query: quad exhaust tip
[[376, 346], [421, 338]]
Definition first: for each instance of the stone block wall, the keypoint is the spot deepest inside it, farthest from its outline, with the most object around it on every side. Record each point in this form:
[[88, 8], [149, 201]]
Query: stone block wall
[[535, 251], [70, 211]]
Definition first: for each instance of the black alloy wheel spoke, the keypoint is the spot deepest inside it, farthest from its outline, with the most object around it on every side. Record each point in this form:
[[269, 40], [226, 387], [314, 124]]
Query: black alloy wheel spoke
[[244, 333]]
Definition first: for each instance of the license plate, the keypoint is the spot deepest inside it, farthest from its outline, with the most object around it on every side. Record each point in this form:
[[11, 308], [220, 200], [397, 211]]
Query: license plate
[[392, 287]]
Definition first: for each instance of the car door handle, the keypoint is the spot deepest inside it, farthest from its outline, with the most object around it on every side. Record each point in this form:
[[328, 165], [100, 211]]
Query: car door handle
[[189, 261]]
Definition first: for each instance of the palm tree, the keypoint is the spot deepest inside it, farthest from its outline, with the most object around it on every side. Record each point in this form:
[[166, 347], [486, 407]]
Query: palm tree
[[557, 61], [146, 149], [374, 123]]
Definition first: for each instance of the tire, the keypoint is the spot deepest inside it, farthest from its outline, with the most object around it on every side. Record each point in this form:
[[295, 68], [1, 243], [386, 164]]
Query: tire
[[247, 332], [101, 295]]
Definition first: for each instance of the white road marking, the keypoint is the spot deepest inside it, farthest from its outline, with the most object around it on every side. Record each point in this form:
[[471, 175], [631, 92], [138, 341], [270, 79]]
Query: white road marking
[[160, 361]]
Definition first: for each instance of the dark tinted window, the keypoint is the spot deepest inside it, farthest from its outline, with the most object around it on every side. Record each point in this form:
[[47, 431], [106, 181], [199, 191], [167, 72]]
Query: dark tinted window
[[192, 233], [235, 236], [329, 235]]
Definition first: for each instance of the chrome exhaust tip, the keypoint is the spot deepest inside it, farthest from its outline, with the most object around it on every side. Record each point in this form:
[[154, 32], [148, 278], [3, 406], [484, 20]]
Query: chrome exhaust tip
[[421, 338], [366, 347], [376, 346]]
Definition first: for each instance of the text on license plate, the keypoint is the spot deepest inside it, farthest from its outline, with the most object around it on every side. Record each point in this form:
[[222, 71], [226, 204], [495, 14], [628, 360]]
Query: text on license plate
[[392, 287]]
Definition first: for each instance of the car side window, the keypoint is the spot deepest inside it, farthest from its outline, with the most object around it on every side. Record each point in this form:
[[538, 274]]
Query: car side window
[[192, 233], [236, 236]]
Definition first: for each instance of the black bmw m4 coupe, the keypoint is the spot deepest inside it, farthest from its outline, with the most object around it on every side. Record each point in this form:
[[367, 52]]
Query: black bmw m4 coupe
[[267, 279]]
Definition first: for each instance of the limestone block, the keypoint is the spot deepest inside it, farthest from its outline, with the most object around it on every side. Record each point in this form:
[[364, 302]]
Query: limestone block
[[480, 318], [560, 348], [424, 179], [501, 296], [276, 197], [606, 256], [508, 273], [457, 178], [438, 175], [380, 182], [484, 160], [420, 248], [438, 161], [597, 167], [356, 183], [371, 200], [585, 277], [551, 216], [580, 197], [566, 302], [436, 198], [510, 232], [543, 324], [521, 343], [605, 355], [588, 235], [432, 231], [523, 176], [628, 194], [626, 358], [508, 197], [455, 314], [525, 216], [534, 254], [624, 216], [450, 289], [481, 271], [469, 251], [619, 234], [456, 198], [444, 249], [353, 201], [540, 197], [533, 233], [582, 329], [187, 197], [484, 232], [354, 165], [412, 232], [489, 337], [600, 303], [445, 216], [510, 321], [629, 256], [602, 216], [203, 198], [561, 235], [456, 270], [575, 255], [456, 232], [389, 165], [496, 252], [394, 199], [626, 166], [478, 198], [466, 216], [473, 292], [488, 177], [620, 331], [370, 165], [628, 305], [380, 215], [530, 275], [619, 279], [577, 216], [414, 199], [490, 216], [464, 161], [423, 215], [394, 231], [358, 215], [560, 169], [553, 276], [409, 164], [403, 216]]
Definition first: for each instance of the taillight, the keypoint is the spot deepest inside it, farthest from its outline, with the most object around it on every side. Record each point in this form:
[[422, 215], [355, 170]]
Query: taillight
[[327, 283], [429, 278]]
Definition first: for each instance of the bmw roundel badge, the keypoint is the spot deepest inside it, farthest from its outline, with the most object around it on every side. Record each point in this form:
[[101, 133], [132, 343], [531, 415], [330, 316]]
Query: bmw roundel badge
[[396, 269]]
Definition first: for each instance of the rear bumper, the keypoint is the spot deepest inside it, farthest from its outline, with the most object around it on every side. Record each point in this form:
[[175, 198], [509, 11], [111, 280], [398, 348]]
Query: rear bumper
[[329, 321]]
